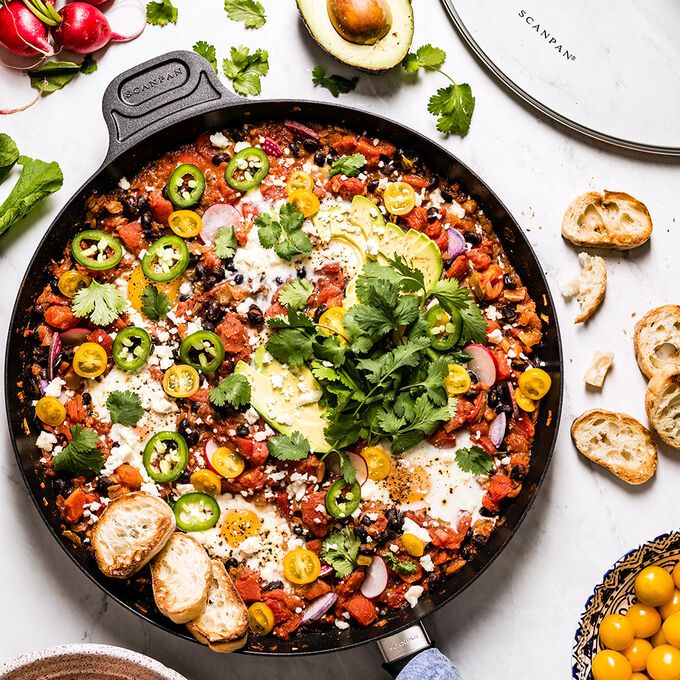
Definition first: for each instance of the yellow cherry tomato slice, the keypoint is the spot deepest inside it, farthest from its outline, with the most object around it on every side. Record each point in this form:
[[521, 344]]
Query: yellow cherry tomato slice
[[305, 201], [227, 462], [185, 223], [654, 586], [524, 402], [299, 181], [616, 632], [71, 282], [181, 381], [413, 545], [610, 665], [51, 411], [261, 618], [535, 383], [457, 381], [399, 198], [137, 284], [646, 620], [377, 461], [301, 566], [663, 663], [89, 360], [637, 654], [238, 525], [331, 323], [206, 481]]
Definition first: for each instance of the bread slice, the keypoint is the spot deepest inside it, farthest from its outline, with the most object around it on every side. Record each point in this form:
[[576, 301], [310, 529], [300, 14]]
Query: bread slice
[[223, 623], [181, 574], [662, 401], [130, 532], [590, 286], [611, 220], [598, 369], [618, 443], [657, 339]]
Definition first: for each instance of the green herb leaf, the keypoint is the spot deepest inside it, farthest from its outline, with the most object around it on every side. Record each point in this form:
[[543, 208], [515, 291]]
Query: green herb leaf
[[295, 447], [340, 550], [296, 293], [335, 84], [53, 75], [348, 165], [207, 51], [155, 303], [453, 296], [245, 69], [81, 456], [291, 346], [474, 460], [284, 235], [88, 65], [349, 473], [250, 12], [102, 302], [9, 155], [400, 566], [425, 57], [37, 180], [454, 106], [225, 243], [233, 390], [125, 407], [161, 13]]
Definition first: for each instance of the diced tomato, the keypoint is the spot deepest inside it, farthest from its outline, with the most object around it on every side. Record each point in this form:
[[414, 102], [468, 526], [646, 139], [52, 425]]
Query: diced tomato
[[129, 476], [160, 207], [345, 188], [480, 261], [74, 505], [202, 396], [350, 583], [132, 235], [255, 452], [255, 478], [315, 519], [60, 317], [524, 424], [75, 409], [448, 537], [284, 630], [361, 609], [434, 230], [443, 439], [210, 260], [234, 336], [416, 181], [500, 487], [249, 585], [459, 268], [416, 219], [316, 589], [279, 610], [276, 309], [102, 338], [393, 596], [503, 370]]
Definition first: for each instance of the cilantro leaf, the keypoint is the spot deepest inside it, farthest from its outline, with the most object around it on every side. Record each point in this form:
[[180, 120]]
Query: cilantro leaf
[[125, 407], [340, 550], [290, 346], [161, 13], [81, 456], [400, 566], [225, 243], [250, 12], [245, 69], [453, 296], [454, 106], [9, 155], [378, 369], [474, 460], [102, 302], [349, 473], [335, 84], [233, 390], [155, 303], [348, 165], [425, 57], [207, 51], [53, 75], [296, 293], [295, 447], [284, 234]]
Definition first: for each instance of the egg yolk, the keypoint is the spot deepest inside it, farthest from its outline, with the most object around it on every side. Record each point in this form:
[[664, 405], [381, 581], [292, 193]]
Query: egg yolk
[[408, 484]]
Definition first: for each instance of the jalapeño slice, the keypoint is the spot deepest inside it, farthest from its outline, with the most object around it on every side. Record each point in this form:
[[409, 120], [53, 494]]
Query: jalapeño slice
[[196, 512], [202, 350], [343, 499], [247, 169], [186, 185], [165, 456], [131, 348], [96, 250], [166, 259], [444, 327]]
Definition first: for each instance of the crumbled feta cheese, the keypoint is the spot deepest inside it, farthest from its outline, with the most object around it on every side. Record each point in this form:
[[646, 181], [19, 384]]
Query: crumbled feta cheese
[[412, 595], [123, 184], [426, 563], [46, 441], [53, 388], [495, 336], [342, 625], [219, 141], [410, 527]]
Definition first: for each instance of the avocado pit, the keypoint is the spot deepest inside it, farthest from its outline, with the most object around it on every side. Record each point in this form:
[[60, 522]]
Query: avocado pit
[[362, 22]]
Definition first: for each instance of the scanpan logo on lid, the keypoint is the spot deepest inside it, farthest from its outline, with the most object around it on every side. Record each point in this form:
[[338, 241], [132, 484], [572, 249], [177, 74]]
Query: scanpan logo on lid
[[139, 88], [545, 33]]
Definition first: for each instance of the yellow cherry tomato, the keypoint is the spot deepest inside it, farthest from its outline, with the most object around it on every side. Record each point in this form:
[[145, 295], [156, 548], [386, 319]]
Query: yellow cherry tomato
[[89, 360], [638, 676], [413, 545], [654, 586], [71, 282], [301, 566], [137, 284], [299, 181], [330, 323], [646, 620], [535, 383], [676, 575], [185, 223], [663, 663], [637, 654], [658, 638], [227, 462], [671, 629], [206, 481], [261, 618], [305, 201], [377, 461], [51, 411], [610, 665], [525, 403], [457, 381], [616, 632], [181, 381], [238, 525], [671, 607], [399, 198]]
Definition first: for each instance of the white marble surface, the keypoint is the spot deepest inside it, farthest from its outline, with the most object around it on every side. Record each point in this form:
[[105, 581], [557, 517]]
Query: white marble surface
[[518, 620]]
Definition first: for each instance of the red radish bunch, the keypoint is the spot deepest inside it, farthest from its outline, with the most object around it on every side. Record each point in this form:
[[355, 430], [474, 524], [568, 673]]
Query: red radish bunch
[[21, 32]]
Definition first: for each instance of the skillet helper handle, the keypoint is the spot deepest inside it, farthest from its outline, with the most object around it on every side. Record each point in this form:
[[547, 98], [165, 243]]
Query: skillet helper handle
[[398, 649], [157, 93]]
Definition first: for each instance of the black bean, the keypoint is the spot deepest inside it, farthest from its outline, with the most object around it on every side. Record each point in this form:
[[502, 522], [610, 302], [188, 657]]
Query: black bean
[[301, 273], [255, 315], [485, 512], [517, 473], [146, 221], [372, 185], [274, 585], [395, 519], [447, 195], [209, 282], [434, 581], [238, 279], [238, 135], [448, 262], [200, 270], [319, 311], [229, 264], [242, 431], [361, 533], [509, 313], [464, 552], [183, 297], [279, 280], [165, 194], [509, 282], [295, 149], [60, 484], [220, 158], [231, 563], [298, 530], [131, 205], [320, 158], [87, 398], [366, 520], [473, 238], [185, 477], [432, 214], [191, 438], [473, 376], [310, 145], [143, 202]]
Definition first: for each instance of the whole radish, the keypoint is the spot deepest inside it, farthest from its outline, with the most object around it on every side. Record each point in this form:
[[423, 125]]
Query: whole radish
[[21, 32]]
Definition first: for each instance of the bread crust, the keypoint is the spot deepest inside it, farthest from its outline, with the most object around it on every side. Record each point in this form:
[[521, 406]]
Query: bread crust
[[648, 337], [662, 403], [589, 305], [612, 219]]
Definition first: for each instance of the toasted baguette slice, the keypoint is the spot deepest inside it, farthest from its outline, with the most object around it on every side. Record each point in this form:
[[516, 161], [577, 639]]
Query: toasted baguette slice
[[610, 220], [223, 624], [181, 574], [590, 286], [130, 532], [657, 339], [618, 443], [662, 402], [598, 369]]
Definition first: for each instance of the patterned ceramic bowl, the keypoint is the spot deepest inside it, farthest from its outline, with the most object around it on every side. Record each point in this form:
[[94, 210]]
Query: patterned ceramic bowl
[[86, 662], [615, 595]]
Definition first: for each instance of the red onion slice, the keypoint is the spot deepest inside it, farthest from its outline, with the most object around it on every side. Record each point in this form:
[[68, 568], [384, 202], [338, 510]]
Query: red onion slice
[[75, 336], [317, 608], [497, 429], [299, 130], [511, 392], [325, 570], [457, 244], [218, 216], [482, 363], [376, 578], [359, 464], [55, 351]]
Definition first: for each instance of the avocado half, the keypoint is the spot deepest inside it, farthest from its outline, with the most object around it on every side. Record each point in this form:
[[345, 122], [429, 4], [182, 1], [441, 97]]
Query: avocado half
[[380, 56]]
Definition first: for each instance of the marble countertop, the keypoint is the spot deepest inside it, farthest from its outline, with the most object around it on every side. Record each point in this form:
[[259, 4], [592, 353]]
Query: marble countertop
[[522, 614]]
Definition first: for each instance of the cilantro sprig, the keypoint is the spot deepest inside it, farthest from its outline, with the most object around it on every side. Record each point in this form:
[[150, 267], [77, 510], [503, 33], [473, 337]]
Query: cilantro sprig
[[284, 234], [207, 51], [155, 303], [102, 302], [335, 84], [283, 447], [225, 243], [295, 293], [124, 407], [474, 460], [161, 13], [340, 550], [400, 566], [233, 390], [350, 166], [81, 456], [245, 68], [250, 12]]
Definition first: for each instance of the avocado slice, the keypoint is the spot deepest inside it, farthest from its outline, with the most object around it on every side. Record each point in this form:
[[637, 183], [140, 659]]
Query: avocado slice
[[300, 412], [376, 56], [366, 215]]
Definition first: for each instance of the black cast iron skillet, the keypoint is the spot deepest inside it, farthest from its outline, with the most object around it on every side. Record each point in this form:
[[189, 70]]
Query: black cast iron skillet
[[157, 106]]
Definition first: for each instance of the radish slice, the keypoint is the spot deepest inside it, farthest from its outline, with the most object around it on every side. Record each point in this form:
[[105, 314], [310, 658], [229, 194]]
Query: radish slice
[[75, 336], [376, 578], [497, 429], [325, 570], [317, 608], [359, 464], [299, 130], [482, 363], [456, 243], [209, 449], [218, 216], [55, 351]]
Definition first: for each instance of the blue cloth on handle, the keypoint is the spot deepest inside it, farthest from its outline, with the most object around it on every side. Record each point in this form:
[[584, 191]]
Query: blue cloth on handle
[[429, 665]]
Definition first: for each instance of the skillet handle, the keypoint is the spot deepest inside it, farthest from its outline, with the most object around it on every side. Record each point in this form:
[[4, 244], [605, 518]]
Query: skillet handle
[[157, 93], [398, 649]]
